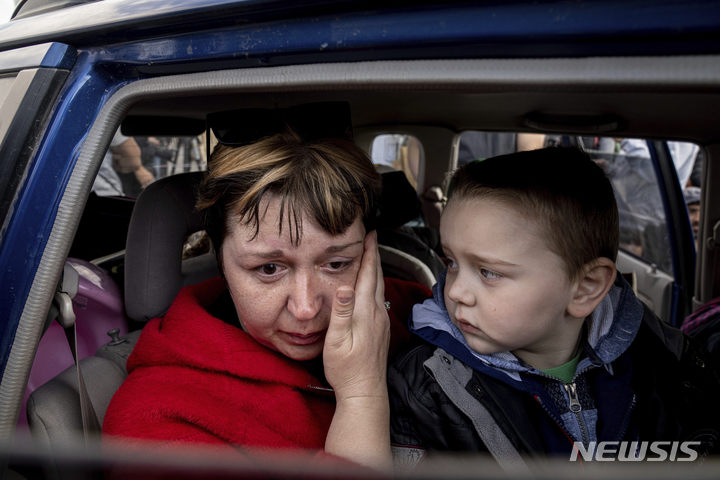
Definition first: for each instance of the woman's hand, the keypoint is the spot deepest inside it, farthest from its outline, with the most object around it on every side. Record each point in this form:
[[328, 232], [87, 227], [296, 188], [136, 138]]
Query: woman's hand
[[355, 360], [358, 337]]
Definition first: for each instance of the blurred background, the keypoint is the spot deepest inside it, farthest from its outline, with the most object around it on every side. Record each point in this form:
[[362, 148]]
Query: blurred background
[[6, 8]]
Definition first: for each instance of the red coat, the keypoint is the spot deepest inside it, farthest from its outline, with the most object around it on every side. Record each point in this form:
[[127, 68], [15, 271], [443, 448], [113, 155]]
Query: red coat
[[196, 379]]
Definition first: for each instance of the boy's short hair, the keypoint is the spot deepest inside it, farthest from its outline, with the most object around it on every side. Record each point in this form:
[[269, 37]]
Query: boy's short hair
[[561, 188], [331, 179]]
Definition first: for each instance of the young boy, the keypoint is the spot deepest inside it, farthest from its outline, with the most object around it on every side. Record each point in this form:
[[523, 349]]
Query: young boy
[[532, 342]]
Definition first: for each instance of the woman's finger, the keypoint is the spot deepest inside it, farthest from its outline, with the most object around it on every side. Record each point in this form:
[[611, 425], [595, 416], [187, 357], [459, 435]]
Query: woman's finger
[[380, 282], [366, 285], [341, 316]]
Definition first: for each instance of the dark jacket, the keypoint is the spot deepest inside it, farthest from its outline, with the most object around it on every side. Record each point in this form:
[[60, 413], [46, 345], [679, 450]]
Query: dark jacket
[[639, 379]]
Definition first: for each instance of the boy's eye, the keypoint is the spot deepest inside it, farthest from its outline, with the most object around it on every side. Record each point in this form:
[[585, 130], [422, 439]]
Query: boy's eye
[[449, 263], [489, 274]]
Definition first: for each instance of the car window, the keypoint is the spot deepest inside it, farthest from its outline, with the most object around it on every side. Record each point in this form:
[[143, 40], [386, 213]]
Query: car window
[[132, 163], [400, 152], [643, 224], [476, 145]]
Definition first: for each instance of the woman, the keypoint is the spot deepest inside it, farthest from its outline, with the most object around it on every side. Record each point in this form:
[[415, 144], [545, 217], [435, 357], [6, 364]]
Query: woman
[[289, 348]]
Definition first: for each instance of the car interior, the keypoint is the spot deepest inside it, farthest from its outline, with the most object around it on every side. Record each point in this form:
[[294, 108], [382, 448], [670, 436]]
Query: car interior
[[140, 246]]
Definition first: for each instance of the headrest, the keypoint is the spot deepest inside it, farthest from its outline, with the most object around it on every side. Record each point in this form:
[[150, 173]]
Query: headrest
[[399, 202], [163, 217]]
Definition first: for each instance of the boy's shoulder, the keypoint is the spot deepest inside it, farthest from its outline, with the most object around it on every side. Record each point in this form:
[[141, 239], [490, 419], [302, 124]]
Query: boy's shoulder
[[655, 333], [412, 355]]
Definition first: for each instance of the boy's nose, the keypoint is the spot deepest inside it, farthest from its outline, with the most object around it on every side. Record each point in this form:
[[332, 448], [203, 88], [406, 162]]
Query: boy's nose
[[305, 300], [458, 293]]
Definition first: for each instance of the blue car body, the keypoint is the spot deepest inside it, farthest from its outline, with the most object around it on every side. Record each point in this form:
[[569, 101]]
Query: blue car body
[[91, 51]]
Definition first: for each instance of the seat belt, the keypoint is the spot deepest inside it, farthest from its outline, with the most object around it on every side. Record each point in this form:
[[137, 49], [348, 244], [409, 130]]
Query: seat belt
[[67, 289]]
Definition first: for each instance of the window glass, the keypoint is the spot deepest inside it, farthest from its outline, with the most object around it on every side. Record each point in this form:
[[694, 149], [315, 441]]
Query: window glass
[[399, 152], [643, 227], [475, 145], [132, 163]]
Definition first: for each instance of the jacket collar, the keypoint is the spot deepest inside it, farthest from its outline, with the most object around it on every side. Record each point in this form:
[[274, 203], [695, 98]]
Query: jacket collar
[[611, 329]]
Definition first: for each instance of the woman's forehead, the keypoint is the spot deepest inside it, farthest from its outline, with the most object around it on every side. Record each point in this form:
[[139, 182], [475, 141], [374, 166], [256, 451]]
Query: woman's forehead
[[276, 225]]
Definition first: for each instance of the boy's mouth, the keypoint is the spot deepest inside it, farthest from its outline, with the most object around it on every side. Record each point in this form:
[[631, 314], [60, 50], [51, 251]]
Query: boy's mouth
[[467, 327]]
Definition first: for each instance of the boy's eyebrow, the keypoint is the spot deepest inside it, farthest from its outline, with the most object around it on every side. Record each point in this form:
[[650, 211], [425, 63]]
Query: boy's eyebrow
[[493, 261], [482, 259]]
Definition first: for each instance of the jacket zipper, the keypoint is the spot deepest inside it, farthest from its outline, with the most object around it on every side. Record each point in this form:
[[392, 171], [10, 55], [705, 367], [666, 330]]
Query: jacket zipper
[[576, 408], [555, 419]]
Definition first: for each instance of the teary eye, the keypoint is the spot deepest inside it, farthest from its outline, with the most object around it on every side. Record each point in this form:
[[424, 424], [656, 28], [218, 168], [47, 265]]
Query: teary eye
[[269, 268]]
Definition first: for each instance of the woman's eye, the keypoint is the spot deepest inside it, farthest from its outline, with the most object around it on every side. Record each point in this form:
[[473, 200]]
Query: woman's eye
[[489, 274], [269, 268], [339, 265]]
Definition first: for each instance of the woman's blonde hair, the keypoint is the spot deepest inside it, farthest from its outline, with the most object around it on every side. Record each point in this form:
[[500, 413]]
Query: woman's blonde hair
[[331, 179]]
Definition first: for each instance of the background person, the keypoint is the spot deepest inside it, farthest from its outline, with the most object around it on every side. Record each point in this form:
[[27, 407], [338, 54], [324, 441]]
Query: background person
[[475, 145], [122, 172], [692, 200]]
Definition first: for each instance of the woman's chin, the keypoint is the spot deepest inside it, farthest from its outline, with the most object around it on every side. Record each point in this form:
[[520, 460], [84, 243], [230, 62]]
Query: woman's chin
[[302, 353]]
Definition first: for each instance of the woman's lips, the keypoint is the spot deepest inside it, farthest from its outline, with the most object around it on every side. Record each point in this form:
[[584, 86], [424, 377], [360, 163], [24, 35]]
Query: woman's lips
[[304, 339]]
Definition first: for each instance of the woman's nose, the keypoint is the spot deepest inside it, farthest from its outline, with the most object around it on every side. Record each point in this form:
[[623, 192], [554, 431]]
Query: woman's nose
[[305, 299]]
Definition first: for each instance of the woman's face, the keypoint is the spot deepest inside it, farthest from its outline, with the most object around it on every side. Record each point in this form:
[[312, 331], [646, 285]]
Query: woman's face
[[283, 293]]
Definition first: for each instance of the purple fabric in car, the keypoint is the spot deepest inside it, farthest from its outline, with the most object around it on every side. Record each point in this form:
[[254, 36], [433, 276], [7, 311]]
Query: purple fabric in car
[[98, 308]]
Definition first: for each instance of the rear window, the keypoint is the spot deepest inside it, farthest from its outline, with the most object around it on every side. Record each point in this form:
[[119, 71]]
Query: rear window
[[399, 152]]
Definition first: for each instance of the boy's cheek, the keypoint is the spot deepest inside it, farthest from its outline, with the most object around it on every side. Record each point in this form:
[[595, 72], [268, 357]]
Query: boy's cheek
[[449, 305]]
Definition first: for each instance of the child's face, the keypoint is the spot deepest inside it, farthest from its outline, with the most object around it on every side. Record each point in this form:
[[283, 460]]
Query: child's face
[[505, 289]]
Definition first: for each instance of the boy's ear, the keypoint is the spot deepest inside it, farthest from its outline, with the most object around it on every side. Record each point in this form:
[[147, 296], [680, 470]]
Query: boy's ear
[[591, 287]]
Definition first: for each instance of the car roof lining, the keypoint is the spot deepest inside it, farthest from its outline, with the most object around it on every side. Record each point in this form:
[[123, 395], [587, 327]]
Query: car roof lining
[[652, 115], [460, 94], [495, 95]]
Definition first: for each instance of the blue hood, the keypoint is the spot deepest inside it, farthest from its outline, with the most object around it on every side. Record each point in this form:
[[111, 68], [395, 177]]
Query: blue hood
[[611, 329]]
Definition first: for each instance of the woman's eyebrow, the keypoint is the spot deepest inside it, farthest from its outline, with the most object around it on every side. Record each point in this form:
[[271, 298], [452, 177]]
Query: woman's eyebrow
[[340, 248], [270, 254], [279, 253]]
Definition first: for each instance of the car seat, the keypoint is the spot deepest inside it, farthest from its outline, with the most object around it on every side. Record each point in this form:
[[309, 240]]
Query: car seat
[[163, 217], [407, 251]]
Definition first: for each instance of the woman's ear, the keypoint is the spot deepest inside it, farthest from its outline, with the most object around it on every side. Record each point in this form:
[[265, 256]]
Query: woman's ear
[[591, 286]]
